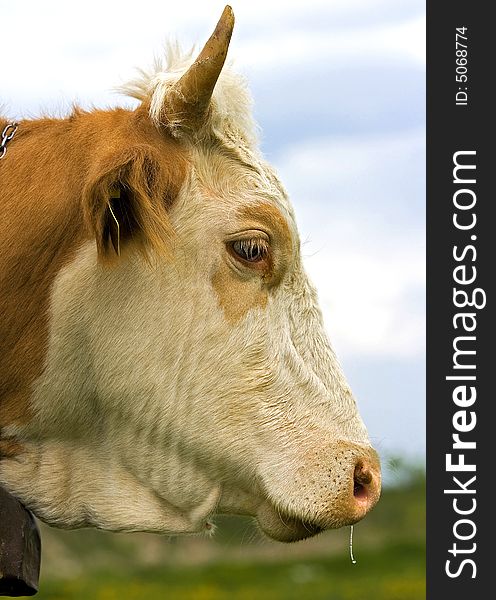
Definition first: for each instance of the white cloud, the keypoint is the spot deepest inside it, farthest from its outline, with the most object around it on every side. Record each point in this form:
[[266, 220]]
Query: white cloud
[[60, 52], [344, 158], [404, 41], [367, 299]]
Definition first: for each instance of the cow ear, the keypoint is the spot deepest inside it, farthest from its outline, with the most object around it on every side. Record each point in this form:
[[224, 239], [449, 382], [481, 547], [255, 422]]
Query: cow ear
[[125, 203]]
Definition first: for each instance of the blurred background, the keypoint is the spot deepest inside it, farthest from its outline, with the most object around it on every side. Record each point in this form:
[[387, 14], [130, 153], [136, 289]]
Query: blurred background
[[339, 93]]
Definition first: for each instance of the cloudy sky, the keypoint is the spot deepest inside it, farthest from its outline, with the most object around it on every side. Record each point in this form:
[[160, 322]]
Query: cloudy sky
[[339, 90]]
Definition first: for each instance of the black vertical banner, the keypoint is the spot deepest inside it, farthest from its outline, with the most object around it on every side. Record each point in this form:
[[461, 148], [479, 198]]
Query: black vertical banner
[[461, 256]]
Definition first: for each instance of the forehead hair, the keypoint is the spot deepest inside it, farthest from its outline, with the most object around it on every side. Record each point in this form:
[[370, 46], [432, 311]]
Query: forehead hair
[[229, 119], [227, 152]]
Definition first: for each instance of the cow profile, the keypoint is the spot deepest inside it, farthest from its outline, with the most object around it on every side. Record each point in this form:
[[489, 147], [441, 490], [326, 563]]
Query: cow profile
[[163, 356]]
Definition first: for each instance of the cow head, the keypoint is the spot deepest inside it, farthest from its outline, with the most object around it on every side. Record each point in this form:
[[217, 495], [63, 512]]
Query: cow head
[[188, 372]]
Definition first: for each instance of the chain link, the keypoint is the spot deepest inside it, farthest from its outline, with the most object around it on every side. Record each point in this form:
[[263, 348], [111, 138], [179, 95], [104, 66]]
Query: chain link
[[8, 133]]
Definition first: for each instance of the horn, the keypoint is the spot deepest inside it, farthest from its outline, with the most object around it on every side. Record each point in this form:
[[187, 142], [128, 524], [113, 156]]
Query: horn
[[188, 99]]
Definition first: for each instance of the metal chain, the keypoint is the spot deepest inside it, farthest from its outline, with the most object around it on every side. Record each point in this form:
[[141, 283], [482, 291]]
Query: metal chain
[[8, 133]]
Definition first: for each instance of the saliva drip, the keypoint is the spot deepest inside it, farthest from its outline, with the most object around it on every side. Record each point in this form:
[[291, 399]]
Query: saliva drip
[[353, 561]]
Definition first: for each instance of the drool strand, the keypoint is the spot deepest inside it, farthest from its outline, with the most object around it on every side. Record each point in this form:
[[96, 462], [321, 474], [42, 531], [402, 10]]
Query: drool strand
[[353, 561]]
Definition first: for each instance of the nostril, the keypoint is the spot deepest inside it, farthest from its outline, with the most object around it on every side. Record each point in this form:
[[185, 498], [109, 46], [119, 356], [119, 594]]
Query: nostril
[[363, 485], [362, 477]]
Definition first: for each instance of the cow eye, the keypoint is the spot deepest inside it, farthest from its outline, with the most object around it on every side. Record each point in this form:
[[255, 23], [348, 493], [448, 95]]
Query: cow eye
[[251, 250]]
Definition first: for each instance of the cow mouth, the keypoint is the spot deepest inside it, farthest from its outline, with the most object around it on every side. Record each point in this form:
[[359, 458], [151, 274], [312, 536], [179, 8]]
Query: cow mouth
[[282, 527]]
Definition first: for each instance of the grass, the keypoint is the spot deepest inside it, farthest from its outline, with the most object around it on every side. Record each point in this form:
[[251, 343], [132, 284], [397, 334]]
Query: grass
[[389, 574], [237, 564]]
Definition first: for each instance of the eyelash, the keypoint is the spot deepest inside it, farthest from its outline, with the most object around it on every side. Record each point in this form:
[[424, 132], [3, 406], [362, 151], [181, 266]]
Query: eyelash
[[250, 250]]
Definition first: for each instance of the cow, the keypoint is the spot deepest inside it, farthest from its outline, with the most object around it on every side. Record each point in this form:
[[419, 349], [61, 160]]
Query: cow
[[163, 355]]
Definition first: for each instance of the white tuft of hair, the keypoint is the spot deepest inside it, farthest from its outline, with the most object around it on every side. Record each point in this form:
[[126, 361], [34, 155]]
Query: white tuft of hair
[[230, 117]]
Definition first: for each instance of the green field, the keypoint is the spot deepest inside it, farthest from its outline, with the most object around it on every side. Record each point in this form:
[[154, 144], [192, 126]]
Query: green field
[[237, 562]]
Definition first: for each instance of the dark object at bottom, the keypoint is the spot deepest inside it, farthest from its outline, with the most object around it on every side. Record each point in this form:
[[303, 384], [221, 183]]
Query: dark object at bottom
[[20, 548]]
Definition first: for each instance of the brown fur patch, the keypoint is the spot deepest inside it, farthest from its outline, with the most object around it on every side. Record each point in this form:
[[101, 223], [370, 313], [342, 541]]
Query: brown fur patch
[[48, 165], [147, 186], [9, 449], [238, 295]]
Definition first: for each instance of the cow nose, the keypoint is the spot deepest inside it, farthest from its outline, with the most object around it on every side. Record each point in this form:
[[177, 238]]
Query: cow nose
[[366, 486]]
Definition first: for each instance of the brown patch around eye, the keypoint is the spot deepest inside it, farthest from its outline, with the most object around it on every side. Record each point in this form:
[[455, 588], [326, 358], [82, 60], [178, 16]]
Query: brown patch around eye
[[276, 225], [236, 296], [270, 215]]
